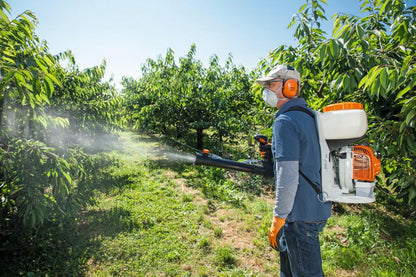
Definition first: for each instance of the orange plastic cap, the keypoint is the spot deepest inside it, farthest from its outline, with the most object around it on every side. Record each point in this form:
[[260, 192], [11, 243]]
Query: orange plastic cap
[[343, 106], [205, 151]]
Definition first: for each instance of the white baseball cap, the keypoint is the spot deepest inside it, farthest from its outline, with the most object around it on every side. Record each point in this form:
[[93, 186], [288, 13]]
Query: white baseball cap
[[280, 72]]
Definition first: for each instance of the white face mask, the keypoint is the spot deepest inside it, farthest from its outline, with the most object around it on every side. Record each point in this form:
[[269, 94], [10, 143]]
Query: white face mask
[[270, 97]]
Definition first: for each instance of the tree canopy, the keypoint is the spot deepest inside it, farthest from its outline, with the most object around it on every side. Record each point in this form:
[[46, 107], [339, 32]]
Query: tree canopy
[[368, 59], [44, 175], [178, 100]]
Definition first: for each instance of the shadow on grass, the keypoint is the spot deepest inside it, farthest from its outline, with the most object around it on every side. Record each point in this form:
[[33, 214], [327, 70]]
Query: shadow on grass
[[64, 245], [109, 223], [56, 249], [61, 249]]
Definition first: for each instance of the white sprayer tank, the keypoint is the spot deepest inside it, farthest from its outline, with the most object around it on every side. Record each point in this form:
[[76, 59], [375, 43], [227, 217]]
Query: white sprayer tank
[[340, 125], [343, 121]]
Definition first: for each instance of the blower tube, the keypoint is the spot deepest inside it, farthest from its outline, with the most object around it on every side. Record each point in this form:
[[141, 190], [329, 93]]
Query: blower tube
[[216, 161]]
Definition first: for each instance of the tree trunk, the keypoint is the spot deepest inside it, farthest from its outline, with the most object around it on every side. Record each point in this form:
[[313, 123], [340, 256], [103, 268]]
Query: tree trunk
[[31, 124], [199, 138], [221, 144], [178, 132]]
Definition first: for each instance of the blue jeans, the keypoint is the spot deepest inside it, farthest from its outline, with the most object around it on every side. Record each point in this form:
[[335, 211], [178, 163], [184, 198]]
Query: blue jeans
[[303, 253]]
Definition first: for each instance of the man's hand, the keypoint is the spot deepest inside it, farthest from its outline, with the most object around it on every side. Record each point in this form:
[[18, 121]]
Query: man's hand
[[275, 232]]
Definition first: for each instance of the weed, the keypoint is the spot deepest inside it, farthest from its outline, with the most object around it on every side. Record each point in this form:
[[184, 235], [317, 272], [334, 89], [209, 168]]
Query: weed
[[218, 232], [224, 257], [187, 197], [204, 244]]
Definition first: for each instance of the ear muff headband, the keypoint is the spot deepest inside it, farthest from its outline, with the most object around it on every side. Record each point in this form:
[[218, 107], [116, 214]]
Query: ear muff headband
[[290, 88]]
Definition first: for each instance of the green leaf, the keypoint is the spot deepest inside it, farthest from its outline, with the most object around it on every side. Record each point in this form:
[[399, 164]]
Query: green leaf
[[333, 47], [384, 77], [411, 144], [4, 17], [303, 7], [363, 81], [44, 97], [360, 31], [67, 177], [410, 116], [337, 25], [402, 92], [21, 82], [412, 193], [406, 61], [344, 32], [322, 52], [375, 88], [373, 74], [53, 78], [41, 65], [49, 87], [8, 77], [49, 59]]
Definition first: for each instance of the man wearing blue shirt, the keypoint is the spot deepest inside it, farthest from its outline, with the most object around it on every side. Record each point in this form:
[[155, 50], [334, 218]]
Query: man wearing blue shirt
[[299, 215]]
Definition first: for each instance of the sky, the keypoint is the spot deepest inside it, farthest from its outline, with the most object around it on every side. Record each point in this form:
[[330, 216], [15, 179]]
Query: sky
[[128, 32]]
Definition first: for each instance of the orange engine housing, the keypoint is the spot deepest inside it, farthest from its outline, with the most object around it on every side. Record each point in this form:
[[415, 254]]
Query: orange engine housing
[[365, 164]]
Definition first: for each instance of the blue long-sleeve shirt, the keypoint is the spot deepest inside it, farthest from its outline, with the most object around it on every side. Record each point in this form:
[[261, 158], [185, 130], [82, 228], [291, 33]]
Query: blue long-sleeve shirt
[[295, 146]]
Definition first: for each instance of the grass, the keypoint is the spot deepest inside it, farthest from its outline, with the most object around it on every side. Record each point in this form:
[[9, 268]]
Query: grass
[[370, 242], [173, 219]]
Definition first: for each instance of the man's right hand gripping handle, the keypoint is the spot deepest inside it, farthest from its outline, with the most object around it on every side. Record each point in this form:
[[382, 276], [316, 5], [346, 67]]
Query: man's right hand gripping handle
[[265, 149]]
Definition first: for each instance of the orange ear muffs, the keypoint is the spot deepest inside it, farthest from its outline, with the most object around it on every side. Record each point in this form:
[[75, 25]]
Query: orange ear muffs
[[290, 88]]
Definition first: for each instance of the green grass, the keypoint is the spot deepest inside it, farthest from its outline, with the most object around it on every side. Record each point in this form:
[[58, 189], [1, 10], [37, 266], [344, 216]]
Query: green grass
[[171, 220], [174, 219], [370, 242]]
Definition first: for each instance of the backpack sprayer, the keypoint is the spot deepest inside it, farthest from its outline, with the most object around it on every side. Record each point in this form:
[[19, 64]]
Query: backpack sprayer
[[348, 172]]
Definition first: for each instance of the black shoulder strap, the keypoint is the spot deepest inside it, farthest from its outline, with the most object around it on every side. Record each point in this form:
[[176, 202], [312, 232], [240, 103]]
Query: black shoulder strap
[[313, 185], [311, 114], [301, 109]]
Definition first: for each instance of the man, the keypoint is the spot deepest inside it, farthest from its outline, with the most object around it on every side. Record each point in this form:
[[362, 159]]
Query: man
[[299, 215]]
